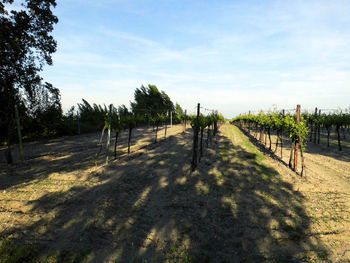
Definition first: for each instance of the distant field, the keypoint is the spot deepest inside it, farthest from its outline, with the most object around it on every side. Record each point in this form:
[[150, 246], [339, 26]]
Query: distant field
[[63, 205]]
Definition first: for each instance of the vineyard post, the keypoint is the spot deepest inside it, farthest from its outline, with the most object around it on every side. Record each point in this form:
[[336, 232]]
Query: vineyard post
[[19, 133], [108, 142], [296, 144], [185, 119], [195, 141], [315, 127], [109, 132], [318, 128]]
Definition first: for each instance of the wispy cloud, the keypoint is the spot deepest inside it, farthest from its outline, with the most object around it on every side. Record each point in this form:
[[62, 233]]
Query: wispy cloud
[[231, 56]]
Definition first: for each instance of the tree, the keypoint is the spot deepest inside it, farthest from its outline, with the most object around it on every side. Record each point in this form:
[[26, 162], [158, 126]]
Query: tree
[[150, 102], [178, 112], [46, 110], [25, 47]]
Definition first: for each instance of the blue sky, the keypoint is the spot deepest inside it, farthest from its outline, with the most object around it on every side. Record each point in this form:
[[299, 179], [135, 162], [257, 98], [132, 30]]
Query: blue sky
[[233, 56]]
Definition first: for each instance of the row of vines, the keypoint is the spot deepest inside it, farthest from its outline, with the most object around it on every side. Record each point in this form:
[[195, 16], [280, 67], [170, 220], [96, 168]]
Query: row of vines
[[199, 124], [119, 121], [338, 122], [204, 129], [262, 124], [301, 128]]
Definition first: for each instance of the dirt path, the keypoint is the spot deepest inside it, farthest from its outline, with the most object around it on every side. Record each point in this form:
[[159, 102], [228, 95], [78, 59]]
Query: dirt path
[[238, 206]]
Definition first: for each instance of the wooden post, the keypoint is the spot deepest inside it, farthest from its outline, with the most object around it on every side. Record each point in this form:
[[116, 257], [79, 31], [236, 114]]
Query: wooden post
[[296, 144], [315, 127], [19, 134], [195, 141], [109, 135], [108, 143], [319, 128]]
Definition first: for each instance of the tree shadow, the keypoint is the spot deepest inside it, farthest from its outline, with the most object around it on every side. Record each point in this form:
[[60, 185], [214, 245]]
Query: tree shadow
[[149, 208], [70, 154]]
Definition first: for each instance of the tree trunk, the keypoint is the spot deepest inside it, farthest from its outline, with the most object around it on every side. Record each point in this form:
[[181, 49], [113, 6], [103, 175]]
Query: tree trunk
[[315, 133], [208, 135], [108, 143], [8, 153], [115, 145], [9, 116], [269, 132], [339, 145], [302, 161], [19, 133], [328, 135], [201, 144], [290, 164], [194, 161], [215, 128], [278, 137], [311, 132], [318, 134]]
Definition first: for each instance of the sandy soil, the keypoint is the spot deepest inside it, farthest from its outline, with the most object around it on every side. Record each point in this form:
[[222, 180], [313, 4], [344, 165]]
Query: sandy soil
[[238, 206], [326, 188]]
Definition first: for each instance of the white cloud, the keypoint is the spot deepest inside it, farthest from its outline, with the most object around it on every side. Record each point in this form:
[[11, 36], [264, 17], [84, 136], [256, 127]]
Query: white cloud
[[288, 53]]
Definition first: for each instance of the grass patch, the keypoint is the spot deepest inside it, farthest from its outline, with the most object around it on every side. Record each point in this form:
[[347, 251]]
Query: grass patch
[[11, 252], [232, 132]]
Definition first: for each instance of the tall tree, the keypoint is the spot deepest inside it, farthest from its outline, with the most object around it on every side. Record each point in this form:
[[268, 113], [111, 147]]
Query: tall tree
[[150, 101], [25, 47]]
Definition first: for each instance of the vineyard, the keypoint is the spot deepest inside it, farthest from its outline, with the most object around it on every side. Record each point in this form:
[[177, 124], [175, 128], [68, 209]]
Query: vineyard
[[301, 129], [201, 190]]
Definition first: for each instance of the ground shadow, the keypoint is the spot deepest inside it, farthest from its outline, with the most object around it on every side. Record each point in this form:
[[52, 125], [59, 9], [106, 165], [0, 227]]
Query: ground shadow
[[148, 207], [71, 154]]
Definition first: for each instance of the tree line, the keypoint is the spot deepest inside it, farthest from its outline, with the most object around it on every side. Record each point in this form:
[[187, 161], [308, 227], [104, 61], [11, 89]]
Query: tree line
[[31, 107]]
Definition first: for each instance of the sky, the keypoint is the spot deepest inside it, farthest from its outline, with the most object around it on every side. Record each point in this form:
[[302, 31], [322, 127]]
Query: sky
[[233, 56]]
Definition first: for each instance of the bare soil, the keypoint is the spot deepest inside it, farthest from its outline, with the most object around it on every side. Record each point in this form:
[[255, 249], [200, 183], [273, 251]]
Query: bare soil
[[65, 205]]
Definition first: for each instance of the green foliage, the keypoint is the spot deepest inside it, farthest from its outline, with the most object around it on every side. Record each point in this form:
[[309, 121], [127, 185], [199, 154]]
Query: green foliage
[[150, 101], [205, 121], [297, 131], [93, 116], [25, 47]]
